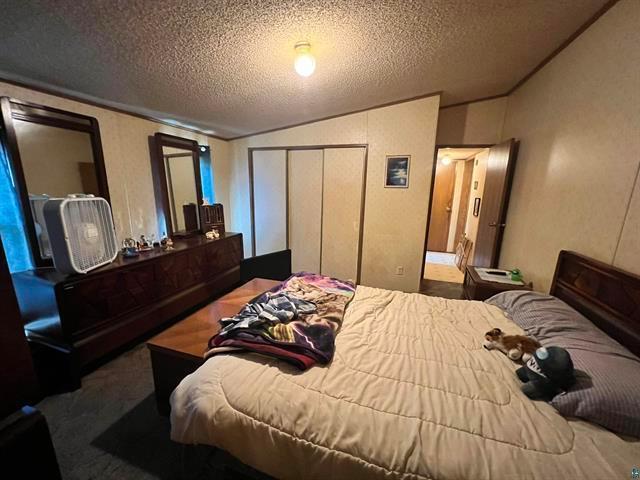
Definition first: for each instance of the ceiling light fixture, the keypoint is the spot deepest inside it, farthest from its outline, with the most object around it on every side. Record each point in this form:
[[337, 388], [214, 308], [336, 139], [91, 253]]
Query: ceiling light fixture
[[446, 160], [305, 63]]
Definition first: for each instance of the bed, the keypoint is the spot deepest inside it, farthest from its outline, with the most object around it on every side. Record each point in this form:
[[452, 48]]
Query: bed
[[412, 394]]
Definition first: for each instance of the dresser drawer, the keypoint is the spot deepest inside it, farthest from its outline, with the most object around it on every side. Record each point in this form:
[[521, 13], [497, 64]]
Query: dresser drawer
[[91, 302]]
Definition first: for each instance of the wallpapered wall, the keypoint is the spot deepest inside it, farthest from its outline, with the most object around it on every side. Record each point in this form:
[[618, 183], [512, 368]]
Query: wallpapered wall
[[473, 123], [394, 219], [576, 181], [127, 159]]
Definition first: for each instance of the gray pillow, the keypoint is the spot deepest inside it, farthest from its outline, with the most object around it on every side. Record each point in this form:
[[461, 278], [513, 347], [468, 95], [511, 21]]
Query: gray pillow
[[607, 374]]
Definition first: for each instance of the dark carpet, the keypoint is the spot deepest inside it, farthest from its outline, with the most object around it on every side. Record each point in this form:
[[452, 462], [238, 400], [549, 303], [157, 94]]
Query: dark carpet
[[434, 288], [110, 428]]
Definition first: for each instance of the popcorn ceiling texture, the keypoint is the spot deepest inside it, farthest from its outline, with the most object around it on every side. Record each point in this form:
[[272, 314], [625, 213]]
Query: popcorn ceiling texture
[[228, 65]]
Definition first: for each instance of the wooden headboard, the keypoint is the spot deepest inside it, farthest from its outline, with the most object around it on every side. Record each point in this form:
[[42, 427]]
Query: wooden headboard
[[606, 295]]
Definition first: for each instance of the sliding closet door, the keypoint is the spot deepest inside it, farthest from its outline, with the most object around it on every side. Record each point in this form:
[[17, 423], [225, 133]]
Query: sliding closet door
[[343, 185], [270, 200], [305, 209]]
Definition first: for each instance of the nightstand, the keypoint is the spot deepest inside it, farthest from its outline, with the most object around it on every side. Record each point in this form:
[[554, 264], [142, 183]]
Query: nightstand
[[475, 288]]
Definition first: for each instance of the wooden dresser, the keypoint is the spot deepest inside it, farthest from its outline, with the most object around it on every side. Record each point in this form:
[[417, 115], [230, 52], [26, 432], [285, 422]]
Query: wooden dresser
[[17, 376], [73, 320]]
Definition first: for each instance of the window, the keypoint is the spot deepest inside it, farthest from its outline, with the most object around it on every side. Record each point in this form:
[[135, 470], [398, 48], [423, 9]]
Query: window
[[11, 222], [206, 175]]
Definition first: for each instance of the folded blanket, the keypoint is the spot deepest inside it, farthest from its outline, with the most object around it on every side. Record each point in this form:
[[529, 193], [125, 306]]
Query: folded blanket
[[297, 321]]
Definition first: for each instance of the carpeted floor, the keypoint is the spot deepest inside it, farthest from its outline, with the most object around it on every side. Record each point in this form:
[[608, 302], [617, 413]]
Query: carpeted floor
[[110, 428], [435, 288]]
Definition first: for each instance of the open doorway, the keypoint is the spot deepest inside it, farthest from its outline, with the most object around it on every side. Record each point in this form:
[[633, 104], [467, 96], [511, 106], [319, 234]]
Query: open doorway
[[458, 189], [467, 212]]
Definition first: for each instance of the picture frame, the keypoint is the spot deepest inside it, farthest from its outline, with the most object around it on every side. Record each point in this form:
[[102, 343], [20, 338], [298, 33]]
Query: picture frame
[[476, 207], [396, 172]]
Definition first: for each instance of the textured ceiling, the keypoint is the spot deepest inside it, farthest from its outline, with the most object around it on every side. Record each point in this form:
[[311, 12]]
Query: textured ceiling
[[227, 66]]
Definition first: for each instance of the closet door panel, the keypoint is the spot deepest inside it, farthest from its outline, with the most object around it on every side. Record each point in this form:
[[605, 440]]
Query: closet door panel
[[270, 200], [341, 211], [305, 209]]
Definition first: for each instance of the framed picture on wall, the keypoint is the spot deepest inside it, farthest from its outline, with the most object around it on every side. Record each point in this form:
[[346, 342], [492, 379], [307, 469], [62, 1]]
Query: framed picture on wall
[[476, 207], [397, 171]]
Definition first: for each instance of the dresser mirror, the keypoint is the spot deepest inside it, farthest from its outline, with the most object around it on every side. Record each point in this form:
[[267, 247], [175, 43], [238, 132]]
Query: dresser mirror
[[178, 168], [53, 153]]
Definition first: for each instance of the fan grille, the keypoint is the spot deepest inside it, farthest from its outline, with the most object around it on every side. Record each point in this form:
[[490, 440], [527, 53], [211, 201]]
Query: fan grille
[[90, 235]]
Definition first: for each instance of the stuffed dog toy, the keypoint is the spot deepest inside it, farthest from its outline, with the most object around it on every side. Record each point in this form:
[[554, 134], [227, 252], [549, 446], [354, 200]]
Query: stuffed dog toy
[[516, 347]]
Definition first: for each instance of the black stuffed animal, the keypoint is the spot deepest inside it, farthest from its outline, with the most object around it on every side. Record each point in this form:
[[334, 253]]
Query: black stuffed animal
[[547, 373]]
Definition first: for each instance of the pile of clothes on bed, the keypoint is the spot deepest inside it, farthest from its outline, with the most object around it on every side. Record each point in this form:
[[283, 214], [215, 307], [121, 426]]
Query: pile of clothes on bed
[[297, 321]]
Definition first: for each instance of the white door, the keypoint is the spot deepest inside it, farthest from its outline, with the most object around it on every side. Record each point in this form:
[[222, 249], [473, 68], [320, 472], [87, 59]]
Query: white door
[[270, 200], [343, 184], [305, 209]]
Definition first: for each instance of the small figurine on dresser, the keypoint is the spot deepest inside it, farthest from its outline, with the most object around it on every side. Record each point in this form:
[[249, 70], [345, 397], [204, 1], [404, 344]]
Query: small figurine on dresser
[[212, 234], [166, 243], [129, 248], [144, 245]]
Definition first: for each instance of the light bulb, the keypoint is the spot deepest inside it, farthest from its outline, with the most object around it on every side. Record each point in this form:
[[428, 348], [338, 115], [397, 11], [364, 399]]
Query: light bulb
[[446, 160], [305, 63]]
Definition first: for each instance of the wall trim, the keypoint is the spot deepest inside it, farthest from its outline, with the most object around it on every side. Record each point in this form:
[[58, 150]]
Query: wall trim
[[477, 100], [330, 117], [604, 9], [93, 103]]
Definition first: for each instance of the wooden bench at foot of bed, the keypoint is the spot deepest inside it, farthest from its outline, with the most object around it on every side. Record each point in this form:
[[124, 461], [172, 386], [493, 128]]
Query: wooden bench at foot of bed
[[178, 351]]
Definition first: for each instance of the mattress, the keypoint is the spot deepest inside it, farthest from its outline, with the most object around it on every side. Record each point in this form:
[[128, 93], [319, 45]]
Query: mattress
[[411, 393]]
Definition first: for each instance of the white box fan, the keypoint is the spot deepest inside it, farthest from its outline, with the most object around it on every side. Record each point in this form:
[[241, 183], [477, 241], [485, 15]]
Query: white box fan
[[81, 233]]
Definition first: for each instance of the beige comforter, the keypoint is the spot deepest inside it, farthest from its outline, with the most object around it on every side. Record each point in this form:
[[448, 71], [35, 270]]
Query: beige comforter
[[411, 393]]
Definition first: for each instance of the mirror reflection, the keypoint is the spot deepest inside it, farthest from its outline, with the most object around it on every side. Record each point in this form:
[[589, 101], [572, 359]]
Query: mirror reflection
[[181, 188], [56, 162]]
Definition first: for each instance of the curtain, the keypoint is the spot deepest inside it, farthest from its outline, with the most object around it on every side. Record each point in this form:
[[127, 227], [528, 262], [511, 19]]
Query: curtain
[[206, 175], [11, 221]]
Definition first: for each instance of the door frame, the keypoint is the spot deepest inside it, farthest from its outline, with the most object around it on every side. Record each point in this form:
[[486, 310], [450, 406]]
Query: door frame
[[287, 149], [433, 181]]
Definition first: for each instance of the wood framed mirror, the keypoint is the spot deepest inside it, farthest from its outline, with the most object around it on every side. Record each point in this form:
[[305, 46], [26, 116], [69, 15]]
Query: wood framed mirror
[[178, 182], [53, 153]]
